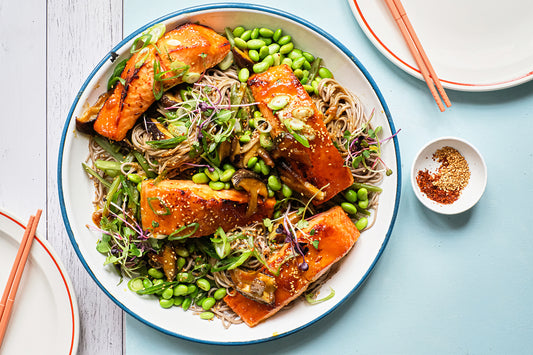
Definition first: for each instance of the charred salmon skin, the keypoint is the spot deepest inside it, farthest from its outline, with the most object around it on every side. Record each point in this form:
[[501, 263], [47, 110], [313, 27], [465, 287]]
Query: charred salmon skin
[[311, 158], [173, 204], [335, 234], [190, 48]]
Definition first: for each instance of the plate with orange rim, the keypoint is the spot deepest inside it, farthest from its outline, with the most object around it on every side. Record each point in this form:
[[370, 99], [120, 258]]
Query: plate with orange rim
[[45, 317], [473, 45]]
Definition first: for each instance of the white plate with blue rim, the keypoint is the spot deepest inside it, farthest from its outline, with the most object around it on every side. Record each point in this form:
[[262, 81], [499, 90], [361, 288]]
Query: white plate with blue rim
[[76, 189]]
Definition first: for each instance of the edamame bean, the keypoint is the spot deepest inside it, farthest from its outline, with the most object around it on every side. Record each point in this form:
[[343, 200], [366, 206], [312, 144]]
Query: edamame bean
[[266, 40], [308, 56], [287, 61], [166, 303], [269, 60], [363, 204], [240, 43], [295, 54], [135, 178], [277, 34], [254, 55], [181, 290], [258, 114], [213, 175], [308, 88], [180, 263], [306, 65], [168, 293], [274, 183], [255, 44], [186, 303], [147, 283], [298, 63], [207, 315], [238, 31], [156, 274], [216, 185], [246, 35], [255, 33], [277, 58], [362, 194], [260, 67], [299, 73], [350, 196], [244, 74], [264, 52], [220, 293], [349, 207], [226, 175], [286, 191], [208, 303], [192, 290], [178, 300], [276, 214], [264, 169], [257, 167], [200, 178], [361, 223], [182, 251], [286, 48], [284, 40], [273, 48], [245, 138], [251, 162], [266, 32], [185, 277], [227, 166], [270, 193], [324, 72], [203, 284]]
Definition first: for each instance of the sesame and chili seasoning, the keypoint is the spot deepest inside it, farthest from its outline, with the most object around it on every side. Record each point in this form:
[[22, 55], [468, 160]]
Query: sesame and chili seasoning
[[447, 183]]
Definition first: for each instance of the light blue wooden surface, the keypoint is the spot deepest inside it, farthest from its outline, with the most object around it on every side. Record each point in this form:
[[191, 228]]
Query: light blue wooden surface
[[445, 284]]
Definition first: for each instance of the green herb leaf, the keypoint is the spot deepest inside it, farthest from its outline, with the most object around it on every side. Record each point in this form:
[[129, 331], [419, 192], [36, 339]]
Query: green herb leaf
[[315, 243], [310, 297]]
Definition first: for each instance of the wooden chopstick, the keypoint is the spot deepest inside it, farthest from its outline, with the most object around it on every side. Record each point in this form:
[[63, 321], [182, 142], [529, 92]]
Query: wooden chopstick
[[8, 297], [415, 47]]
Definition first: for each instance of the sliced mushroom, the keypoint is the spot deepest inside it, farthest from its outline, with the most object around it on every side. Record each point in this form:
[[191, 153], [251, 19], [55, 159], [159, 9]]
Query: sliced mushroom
[[156, 129], [297, 183], [242, 59], [286, 146], [165, 259], [169, 100], [85, 123], [255, 285], [251, 183]]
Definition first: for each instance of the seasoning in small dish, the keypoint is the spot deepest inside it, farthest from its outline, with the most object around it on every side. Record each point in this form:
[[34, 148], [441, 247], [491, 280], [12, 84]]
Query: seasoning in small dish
[[448, 175], [450, 179]]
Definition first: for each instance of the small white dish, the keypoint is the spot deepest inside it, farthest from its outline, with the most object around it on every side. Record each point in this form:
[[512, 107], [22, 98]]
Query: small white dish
[[473, 191]]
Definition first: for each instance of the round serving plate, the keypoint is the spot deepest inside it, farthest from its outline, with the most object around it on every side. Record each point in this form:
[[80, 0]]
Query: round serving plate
[[76, 189], [473, 45]]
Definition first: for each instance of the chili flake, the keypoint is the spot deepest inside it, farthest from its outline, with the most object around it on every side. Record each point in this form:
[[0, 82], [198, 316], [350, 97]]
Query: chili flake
[[451, 177]]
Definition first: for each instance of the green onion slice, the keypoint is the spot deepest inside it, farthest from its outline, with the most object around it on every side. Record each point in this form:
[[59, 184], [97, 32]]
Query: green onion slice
[[162, 204]]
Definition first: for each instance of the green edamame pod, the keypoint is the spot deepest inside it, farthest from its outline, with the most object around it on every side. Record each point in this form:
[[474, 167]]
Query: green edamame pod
[[200, 178], [349, 207], [266, 32], [284, 40], [238, 31]]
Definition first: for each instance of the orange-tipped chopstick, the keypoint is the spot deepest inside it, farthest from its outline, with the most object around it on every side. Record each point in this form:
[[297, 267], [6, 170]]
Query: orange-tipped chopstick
[[415, 47], [8, 298]]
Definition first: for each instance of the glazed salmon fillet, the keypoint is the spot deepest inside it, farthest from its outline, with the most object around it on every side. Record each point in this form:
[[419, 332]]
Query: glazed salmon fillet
[[192, 45], [320, 164], [171, 204], [336, 234]]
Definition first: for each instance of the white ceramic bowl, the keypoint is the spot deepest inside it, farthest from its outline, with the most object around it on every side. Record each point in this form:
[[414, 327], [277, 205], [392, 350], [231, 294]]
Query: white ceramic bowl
[[471, 194], [76, 190]]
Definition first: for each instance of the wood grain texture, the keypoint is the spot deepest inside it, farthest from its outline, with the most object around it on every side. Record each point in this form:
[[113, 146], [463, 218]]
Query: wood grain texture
[[79, 34]]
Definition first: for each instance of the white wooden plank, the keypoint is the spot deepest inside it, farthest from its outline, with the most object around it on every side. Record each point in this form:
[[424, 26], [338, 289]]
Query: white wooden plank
[[23, 118], [79, 34]]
